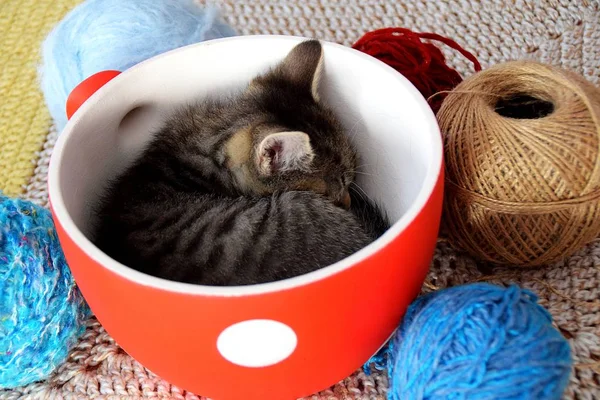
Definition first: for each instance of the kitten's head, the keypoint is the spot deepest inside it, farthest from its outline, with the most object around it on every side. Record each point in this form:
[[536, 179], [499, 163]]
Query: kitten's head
[[295, 142]]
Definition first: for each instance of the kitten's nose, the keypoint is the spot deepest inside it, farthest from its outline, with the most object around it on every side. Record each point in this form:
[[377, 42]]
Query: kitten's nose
[[344, 200]]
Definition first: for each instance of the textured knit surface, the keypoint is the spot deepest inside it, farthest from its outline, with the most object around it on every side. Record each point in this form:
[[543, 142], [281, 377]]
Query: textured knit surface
[[42, 313], [24, 119], [561, 32]]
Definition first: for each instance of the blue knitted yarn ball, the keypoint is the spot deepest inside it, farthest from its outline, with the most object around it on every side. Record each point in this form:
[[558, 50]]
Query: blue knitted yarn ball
[[477, 341], [42, 313], [102, 35]]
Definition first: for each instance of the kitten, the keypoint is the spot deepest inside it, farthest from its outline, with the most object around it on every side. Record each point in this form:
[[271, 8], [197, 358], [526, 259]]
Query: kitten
[[245, 190]]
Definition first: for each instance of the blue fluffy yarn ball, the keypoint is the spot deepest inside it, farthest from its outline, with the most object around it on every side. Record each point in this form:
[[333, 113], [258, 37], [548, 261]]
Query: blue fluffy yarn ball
[[477, 341], [102, 35], [42, 313]]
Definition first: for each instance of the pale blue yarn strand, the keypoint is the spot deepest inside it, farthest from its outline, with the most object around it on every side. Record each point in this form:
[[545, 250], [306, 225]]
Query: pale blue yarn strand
[[477, 341], [102, 35]]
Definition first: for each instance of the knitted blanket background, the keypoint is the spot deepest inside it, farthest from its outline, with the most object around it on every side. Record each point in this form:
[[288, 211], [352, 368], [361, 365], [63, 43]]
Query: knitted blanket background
[[560, 32]]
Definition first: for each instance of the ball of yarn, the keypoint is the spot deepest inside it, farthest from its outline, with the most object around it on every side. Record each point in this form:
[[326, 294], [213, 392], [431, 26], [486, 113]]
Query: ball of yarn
[[422, 63], [478, 341], [521, 142], [42, 313], [102, 35]]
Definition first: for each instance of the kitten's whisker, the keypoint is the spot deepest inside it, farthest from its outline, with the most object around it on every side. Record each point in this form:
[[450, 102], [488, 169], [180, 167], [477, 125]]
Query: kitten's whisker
[[356, 189], [353, 131], [362, 193], [363, 165], [361, 173], [362, 197]]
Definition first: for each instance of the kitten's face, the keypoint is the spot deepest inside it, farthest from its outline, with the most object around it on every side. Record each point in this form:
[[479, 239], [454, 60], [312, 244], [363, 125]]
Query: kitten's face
[[295, 143]]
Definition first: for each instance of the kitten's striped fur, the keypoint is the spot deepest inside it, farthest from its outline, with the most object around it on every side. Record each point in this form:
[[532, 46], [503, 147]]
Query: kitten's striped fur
[[244, 190]]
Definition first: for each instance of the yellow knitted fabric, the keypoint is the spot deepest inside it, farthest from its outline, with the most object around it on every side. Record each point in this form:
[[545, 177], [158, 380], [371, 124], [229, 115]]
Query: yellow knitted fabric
[[24, 119]]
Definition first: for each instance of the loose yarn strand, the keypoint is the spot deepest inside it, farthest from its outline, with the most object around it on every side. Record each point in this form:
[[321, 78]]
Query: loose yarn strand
[[421, 62]]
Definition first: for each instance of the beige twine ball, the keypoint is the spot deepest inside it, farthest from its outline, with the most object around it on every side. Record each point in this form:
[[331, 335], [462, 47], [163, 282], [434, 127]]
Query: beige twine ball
[[521, 142]]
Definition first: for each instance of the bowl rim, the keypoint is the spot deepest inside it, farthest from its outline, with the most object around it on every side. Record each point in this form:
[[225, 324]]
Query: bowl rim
[[61, 213]]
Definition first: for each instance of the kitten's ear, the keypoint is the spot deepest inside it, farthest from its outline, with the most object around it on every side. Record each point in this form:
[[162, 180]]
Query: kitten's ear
[[284, 152], [302, 67]]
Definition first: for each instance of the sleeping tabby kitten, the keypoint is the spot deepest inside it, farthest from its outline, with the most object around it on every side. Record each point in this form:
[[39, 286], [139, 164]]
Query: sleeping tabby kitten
[[245, 190]]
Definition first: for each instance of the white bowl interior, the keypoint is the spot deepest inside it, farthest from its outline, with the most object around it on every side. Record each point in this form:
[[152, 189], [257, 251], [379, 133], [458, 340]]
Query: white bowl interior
[[386, 118]]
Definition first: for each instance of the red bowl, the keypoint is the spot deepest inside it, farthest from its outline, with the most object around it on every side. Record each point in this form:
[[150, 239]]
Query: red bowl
[[280, 340]]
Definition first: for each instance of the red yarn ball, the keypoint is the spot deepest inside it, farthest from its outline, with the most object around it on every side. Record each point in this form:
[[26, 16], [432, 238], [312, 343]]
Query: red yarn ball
[[422, 63]]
